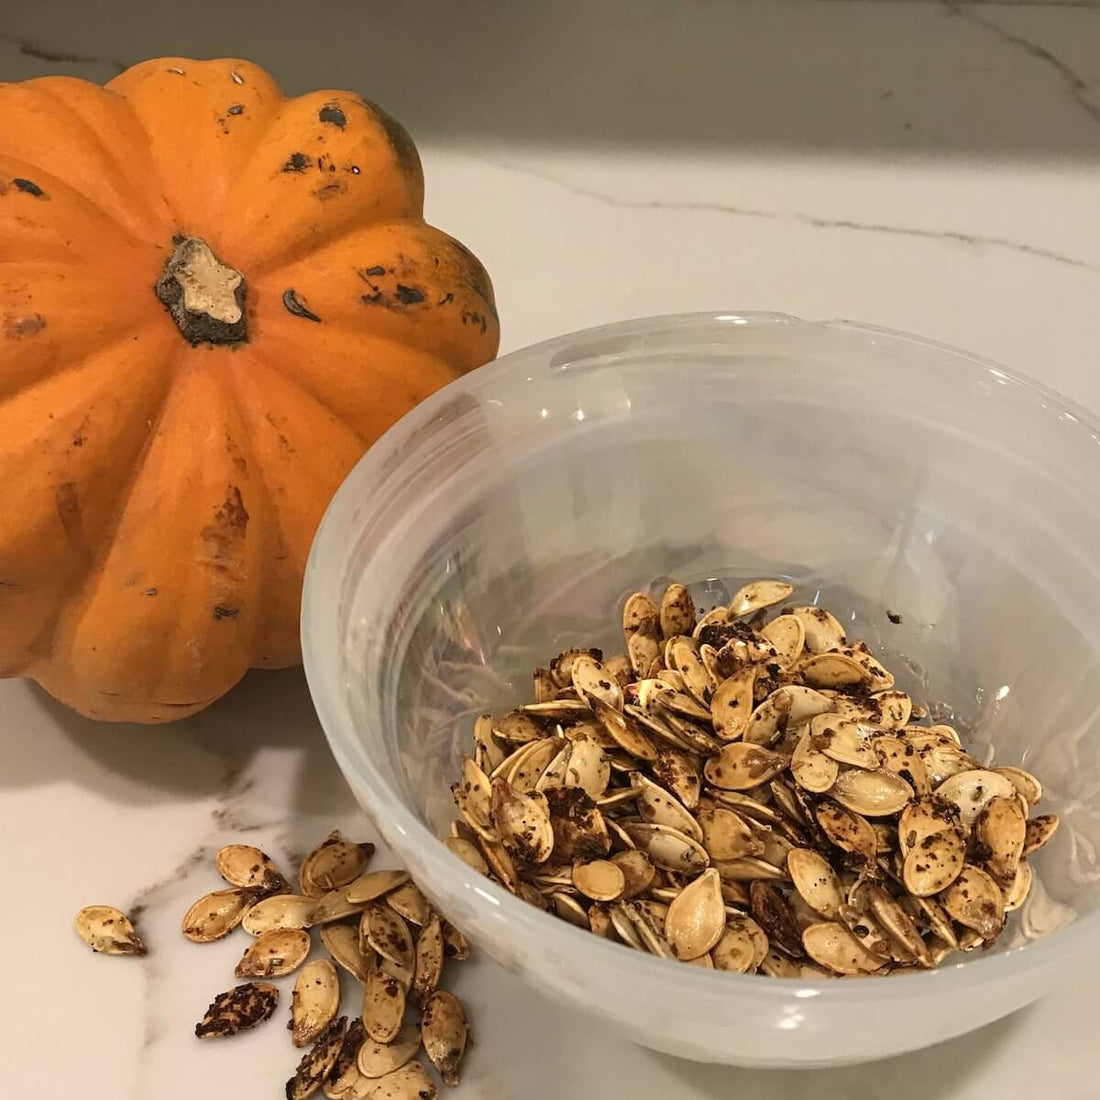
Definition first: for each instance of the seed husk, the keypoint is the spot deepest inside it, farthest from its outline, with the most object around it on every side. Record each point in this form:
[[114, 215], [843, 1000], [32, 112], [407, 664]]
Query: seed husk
[[108, 931], [836, 949], [975, 901], [696, 918], [279, 911], [377, 1059], [216, 914], [383, 1005], [274, 954], [246, 866], [317, 1063], [238, 1009], [374, 884], [429, 958], [342, 943], [444, 1032]]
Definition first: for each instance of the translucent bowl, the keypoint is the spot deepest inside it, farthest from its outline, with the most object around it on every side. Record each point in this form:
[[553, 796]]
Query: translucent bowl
[[508, 516]]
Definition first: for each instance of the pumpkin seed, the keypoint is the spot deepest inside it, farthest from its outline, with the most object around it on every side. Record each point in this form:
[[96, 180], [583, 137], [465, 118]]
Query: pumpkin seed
[[376, 1059], [934, 864], [563, 709], [717, 616], [696, 919], [878, 678], [648, 923], [108, 931], [1016, 893], [848, 830], [742, 947], [677, 613], [274, 954], [1039, 830], [517, 727], [623, 927], [599, 921], [644, 652], [279, 911], [725, 835], [773, 913], [747, 805], [569, 909], [975, 901], [786, 707], [588, 767], [592, 680], [333, 906], [732, 704], [897, 924], [1025, 783], [383, 1005], [776, 965], [318, 1063], [388, 934], [749, 869], [875, 793], [246, 866], [473, 797], [682, 654], [638, 873], [315, 1001], [758, 594], [443, 1032], [1002, 828], [531, 765], [216, 914], [639, 613], [811, 769], [429, 958], [787, 635], [408, 902], [600, 880], [345, 1070], [681, 703], [836, 949], [972, 790], [335, 862], [454, 943], [741, 766], [410, 1082], [468, 853], [374, 884], [668, 848], [579, 829], [932, 914], [561, 667], [238, 1009], [822, 629], [841, 740], [828, 670], [341, 941], [679, 773], [923, 818], [657, 807], [625, 731], [522, 821], [902, 759], [815, 881]]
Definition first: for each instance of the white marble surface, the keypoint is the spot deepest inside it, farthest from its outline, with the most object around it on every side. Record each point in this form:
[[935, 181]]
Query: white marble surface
[[931, 167]]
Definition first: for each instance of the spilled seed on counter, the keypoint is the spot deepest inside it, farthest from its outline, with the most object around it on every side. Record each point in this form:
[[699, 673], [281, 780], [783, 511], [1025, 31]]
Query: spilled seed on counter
[[749, 793], [377, 929]]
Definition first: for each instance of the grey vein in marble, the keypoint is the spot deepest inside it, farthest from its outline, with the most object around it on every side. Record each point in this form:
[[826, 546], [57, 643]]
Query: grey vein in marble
[[817, 222], [1074, 83]]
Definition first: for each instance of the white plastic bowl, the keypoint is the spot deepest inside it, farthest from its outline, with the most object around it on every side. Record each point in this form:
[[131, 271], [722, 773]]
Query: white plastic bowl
[[508, 516]]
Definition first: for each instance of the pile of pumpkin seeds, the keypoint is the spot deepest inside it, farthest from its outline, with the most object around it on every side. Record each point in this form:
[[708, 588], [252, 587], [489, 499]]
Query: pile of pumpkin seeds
[[376, 926], [749, 794]]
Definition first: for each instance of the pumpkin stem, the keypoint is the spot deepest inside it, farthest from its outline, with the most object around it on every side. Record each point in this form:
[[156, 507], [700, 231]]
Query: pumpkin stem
[[203, 295]]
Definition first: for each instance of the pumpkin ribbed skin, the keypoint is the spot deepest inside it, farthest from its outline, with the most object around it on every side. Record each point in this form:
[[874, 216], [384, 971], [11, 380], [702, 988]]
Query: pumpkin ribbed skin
[[159, 496]]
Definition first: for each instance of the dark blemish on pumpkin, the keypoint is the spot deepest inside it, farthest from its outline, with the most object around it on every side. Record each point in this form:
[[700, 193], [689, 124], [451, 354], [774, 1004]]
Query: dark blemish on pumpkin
[[151, 592], [409, 295], [229, 527], [378, 269], [298, 162], [237, 109], [474, 275], [332, 114], [9, 584], [221, 612], [296, 306], [286, 448], [19, 328], [330, 190], [404, 149], [471, 316], [446, 299], [29, 187], [67, 502]]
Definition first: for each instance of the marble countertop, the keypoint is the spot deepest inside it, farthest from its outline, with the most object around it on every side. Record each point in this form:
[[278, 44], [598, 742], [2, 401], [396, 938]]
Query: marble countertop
[[924, 166]]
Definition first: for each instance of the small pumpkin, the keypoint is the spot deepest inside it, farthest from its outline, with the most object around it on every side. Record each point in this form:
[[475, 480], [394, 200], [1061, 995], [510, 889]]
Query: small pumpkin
[[213, 299]]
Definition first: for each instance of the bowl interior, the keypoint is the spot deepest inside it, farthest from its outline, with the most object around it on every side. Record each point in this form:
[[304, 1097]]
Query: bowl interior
[[509, 517]]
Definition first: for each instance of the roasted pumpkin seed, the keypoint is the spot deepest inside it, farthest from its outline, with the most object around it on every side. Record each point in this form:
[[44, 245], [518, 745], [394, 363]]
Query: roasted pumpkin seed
[[274, 954], [677, 615], [249, 867], [374, 884], [429, 958], [383, 1005], [1039, 830], [468, 853], [216, 914], [238, 1009], [836, 949], [388, 934], [342, 943], [345, 1074], [1002, 828], [315, 1001], [279, 911], [696, 918], [318, 1063], [741, 766], [333, 863], [758, 594], [377, 1059], [874, 793], [108, 931], [972, 790], [443, 1031], [600, 880], [975, 901], [815, 881]]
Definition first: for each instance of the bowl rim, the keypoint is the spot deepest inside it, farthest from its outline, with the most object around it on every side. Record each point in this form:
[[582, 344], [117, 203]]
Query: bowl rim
[[450, 875]]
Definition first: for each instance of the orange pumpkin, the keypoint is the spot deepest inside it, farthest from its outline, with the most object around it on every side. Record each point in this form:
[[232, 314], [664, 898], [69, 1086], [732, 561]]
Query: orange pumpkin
[[213, 298]]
